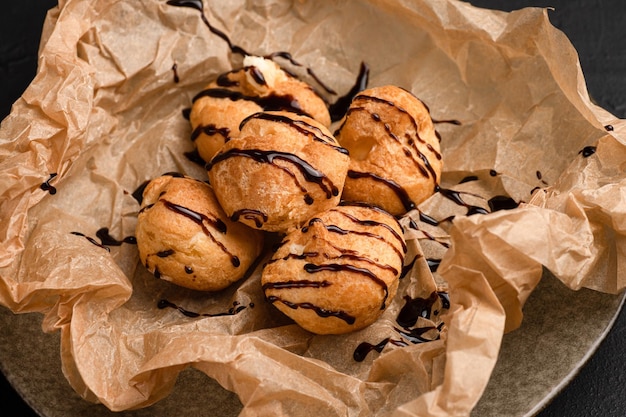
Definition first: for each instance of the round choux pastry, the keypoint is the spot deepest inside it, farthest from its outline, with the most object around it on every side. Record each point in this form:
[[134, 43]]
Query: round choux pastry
[[339, 272], [395, 158], [184, 237], [261, 84], [282, 169]]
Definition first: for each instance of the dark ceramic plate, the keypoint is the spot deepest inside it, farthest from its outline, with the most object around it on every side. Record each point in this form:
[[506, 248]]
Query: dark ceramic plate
[[561, 330]]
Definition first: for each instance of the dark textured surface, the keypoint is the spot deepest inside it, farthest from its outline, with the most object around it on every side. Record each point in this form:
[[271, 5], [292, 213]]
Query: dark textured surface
[[595, 27], [597, 31]]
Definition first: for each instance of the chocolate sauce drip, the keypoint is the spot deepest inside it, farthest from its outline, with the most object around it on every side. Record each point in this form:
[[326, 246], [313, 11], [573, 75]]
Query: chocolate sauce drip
[[235, 309], [310, 174], [257, 75], [235, 49], [138, 193], [502, 202], [445, 299], [107, 240], [194, 156], [340, 107], [408, 267], [289, 57], [210, 130], [282, 285], [400, 192], [322, 312], [361, 352], [91, 240], [188, 270], [174, 174], [312, 269], [271, 102], [299, 125], [493, 173], [46, 185], [407, 318], [336, 229], [468, 179], [415, 335], [609, 128], [201, 219], [197, 4], [447, 121], [373, 223], [434, 239], [426, 170], [186, 112], [175, 71], [358, 258], [258, 217], [303, 255], [223, 80], [433, 264], [165, 253], [428, 219], [363, 97], [198, 218], [413, 225], [587, 151], [455, 196], [415, 308]]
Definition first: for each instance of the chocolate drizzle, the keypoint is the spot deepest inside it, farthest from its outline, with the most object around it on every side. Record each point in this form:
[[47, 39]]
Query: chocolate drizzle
[[411, 312], [280, 285], [373, 223], [410, 138], [175, 71], [400, 192], [502, 202], [336, 229], [312, 269], [322, 312], [106, 239], [194, 156], [587, 151], [201, 220], [408, 267], [301, 126], [238, 50], [258, 217], [455, 196], [198, 5], [340, 107], [235, 309], [210, 130], [433, 264], [408, 141], [309, 173], [268, 103], [348, 261], [46, 185]]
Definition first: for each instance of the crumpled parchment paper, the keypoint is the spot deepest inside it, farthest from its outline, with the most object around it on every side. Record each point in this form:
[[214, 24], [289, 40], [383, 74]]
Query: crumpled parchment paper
[[104, 114]]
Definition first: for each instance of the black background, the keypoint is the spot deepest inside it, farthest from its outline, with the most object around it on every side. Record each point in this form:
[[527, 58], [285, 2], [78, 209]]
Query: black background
[[597, 28]]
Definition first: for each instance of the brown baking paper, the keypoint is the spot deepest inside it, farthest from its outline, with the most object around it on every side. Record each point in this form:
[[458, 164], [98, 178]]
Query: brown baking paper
[[104, 114]]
